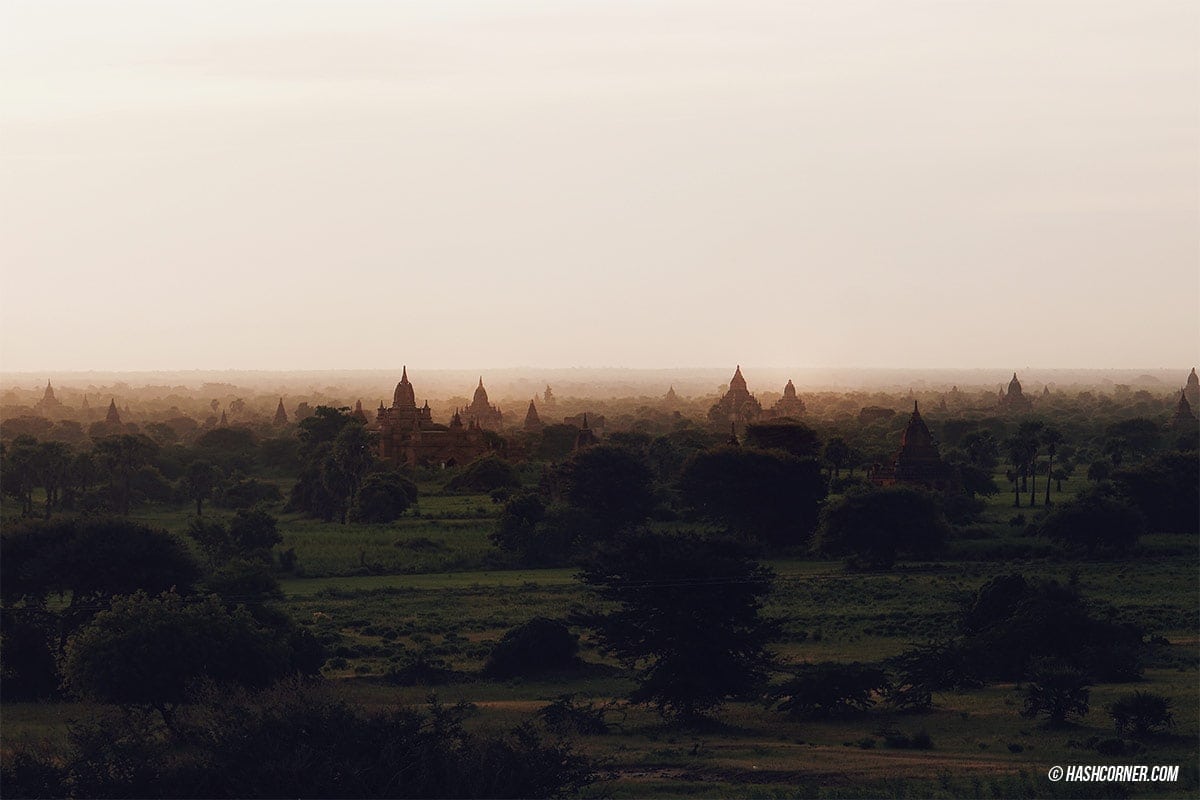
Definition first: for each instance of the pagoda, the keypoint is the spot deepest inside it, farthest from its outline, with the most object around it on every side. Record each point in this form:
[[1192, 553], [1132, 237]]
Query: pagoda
[[49, 404], [917, 462], [1184, 418], [281, 417], [790, 405], [1192, 390], [113, 416], [1015, 399], [482, 412], [737, 406], [408, 434], [533, 423]]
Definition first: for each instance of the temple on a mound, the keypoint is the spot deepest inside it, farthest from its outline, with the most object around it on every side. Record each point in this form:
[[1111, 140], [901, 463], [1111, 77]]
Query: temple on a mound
[[918, 461], [408, 435]]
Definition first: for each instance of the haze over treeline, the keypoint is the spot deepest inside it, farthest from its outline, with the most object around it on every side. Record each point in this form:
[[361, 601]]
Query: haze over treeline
[[520, 384]]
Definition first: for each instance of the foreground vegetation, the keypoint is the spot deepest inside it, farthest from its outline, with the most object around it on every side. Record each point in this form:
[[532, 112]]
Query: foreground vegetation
[[540, 627]]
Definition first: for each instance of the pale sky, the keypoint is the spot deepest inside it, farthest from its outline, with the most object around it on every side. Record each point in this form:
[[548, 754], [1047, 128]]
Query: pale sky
[[314, 185]]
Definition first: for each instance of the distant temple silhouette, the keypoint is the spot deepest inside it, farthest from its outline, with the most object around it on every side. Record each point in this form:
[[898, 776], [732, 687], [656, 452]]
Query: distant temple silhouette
[[1184, 418], [281, 417], [1015, 399], [1192, 389], [918, 461], [533, 422], [49, 403], [790, 405], [737, 407], [408, 434], [481, 412]]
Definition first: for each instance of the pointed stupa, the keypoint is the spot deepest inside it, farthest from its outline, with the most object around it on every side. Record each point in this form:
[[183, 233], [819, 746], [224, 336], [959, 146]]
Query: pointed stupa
[[48, 395], [113, 415], [281, 416], [404, 396], [481, 396], [1184, 418], [586, 436], [533, 422], [358, 412], [737, 382], [1193, 388], [224, 420]]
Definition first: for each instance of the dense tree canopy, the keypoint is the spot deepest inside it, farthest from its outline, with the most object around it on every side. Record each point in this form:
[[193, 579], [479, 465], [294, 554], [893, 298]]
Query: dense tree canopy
[[687, 616], [770, 496], [876, 526]]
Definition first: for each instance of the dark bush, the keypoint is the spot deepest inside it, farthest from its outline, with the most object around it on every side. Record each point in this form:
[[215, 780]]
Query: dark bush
[[27, 665], [247, 493], [298, 740], [829, 689], [1056, 690], [485, 475], [1095, 523], [567, 715], [540, 645], [383, 497], [873, 528], [1141, 714]]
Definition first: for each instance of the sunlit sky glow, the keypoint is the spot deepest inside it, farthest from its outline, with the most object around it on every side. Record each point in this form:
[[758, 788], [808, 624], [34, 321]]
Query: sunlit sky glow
[[312, 185]]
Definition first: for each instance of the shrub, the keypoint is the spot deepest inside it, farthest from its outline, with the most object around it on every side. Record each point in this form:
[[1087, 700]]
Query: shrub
[[830, 689], [247, 493], [875, 527], [567, 715], [921, 671], [1095, 523], [1140, 714], [383, 497], [1058, 691], [485, 475], [539, 645], [299, 740]]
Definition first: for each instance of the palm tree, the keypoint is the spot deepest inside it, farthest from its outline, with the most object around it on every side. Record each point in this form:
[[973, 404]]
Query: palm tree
[[1029, 433], [1051, 438]]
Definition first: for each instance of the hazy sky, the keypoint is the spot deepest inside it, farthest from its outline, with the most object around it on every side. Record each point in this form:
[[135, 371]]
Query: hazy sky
[[288, 185]]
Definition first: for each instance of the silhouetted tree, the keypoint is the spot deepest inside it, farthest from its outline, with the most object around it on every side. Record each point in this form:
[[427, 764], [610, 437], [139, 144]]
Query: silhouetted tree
[[147, 651], [611, 484], [383, 497], [837, 453], [874, 527], [199, 482], [123, 455], [795, 438], [685, 614], [1165, 488], [1095, 523], [1050, 438], [768, 495]]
